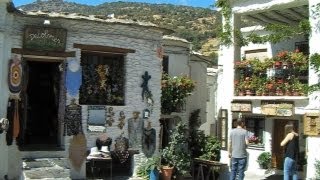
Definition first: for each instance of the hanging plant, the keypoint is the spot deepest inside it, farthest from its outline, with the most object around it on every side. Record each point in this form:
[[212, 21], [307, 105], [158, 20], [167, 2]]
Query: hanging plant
[[174, 92]]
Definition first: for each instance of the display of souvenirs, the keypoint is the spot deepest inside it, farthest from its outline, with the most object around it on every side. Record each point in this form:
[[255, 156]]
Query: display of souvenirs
[[15, 74], [121, 149]]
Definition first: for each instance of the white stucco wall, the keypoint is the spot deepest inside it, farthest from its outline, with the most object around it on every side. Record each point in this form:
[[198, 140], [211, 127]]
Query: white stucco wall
[[225, 80], [4, 57], [199, 96], [313, 143], [211, 109]]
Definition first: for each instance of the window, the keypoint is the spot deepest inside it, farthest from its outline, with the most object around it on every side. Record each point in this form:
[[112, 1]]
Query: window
[[102, 79], [255, 128], [165, 64]]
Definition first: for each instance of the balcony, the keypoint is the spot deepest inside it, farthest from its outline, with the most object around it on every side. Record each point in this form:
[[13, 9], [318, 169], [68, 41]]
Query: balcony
[[282, 77]]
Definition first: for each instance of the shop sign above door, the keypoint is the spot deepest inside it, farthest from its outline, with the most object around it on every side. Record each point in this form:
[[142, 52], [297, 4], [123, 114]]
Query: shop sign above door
[[277, 108], [241, 107], [311, 122], [45, 39]]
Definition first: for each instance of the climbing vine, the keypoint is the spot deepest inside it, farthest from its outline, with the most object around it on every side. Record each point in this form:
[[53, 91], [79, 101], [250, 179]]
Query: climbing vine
[[278, 32], [225, 34]]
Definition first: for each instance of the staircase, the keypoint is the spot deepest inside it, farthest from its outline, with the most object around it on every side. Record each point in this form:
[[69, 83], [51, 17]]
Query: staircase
[[45, 165]]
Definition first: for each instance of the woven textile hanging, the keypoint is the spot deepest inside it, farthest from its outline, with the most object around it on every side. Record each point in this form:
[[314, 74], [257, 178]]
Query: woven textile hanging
[[72, 120]]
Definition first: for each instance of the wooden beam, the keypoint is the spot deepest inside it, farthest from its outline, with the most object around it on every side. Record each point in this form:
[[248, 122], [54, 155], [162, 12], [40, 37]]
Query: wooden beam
[[253, 18], [268, 19], [283, 18], [100, 48], [43, 53], [296, 13]]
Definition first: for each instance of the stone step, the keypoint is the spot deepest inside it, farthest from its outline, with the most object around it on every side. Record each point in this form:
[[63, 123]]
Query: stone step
[[43, 154], [46, 168]]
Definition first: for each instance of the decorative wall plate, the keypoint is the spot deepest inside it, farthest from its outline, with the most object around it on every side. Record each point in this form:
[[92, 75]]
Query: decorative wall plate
[[15, 74]]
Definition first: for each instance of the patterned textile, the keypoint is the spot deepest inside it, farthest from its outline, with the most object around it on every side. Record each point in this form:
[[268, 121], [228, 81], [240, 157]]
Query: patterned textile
[[149, 142], [13, 115], [73, 121], [135, 130], [62, 94], [121, 149]]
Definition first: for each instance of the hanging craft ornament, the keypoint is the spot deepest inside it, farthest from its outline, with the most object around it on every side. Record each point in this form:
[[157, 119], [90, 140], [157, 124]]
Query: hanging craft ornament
[[15, 74]]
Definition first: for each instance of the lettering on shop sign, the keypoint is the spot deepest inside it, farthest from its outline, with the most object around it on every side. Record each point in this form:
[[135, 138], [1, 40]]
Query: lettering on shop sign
[[45, 39], [241, 107], [277, 108]]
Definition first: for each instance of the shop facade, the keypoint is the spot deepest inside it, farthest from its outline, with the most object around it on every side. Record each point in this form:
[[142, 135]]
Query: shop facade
[[73, 74]]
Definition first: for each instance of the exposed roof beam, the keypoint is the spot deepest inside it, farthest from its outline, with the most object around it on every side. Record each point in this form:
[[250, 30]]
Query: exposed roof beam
[[294, 13], [248, 8], [253, 18], [268, 20], [283, 18]]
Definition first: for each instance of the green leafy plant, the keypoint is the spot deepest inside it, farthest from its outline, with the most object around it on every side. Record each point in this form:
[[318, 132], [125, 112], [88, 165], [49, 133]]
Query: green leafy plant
[[315, 62], [196, 137], [176, 153], [174, 92], [211, 149], [317, 167], [150, 164], [264, 160]]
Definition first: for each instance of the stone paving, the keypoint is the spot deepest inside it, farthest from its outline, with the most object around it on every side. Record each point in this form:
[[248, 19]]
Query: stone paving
[[46, 168]]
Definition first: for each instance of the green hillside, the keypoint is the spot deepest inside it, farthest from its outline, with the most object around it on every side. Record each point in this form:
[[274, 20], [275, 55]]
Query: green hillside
[[197, 25]]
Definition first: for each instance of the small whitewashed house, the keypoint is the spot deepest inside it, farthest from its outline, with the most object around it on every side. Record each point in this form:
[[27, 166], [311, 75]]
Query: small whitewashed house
[[72, 79], [180, 60]]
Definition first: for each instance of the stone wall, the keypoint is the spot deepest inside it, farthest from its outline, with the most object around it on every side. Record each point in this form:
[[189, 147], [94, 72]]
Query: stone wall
[[143, 40]]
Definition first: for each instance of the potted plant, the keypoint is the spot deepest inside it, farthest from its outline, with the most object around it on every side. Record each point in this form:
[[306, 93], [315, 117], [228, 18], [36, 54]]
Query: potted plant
[[175, 90], [176, 154], [150, 168], [264, 160]]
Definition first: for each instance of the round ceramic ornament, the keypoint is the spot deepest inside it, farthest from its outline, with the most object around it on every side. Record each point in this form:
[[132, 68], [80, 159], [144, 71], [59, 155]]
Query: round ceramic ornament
[[15, 75], [73, 65]]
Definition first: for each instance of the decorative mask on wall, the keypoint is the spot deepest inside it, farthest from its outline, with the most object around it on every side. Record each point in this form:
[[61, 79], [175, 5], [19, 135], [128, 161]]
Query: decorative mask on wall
[[4, 125], [122, 117], [110, 116]]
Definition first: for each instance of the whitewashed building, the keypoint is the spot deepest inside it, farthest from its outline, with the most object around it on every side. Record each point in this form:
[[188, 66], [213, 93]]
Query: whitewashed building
[[180, 60], [269, 127], [71, 72]]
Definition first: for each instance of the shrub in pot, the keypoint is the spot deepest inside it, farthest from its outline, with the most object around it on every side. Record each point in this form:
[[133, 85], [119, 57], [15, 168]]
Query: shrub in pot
[[264, 160], [176, 154]]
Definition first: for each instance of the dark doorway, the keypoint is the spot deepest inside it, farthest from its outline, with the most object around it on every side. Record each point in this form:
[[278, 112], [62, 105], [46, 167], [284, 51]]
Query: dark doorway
[[41, 121], [278, 136]]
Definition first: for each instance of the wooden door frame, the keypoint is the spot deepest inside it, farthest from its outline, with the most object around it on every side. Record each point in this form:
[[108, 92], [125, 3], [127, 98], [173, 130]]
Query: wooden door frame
[[24, 94]]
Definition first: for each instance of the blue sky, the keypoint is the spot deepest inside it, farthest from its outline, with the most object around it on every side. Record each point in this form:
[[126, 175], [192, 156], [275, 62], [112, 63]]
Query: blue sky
[[195, 3]]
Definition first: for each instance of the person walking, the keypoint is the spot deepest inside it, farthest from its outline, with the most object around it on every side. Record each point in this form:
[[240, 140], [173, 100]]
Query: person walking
[[291, 144], [238, 142]]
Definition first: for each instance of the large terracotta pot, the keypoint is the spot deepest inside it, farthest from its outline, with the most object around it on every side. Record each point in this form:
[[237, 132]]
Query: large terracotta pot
[[166, 172]]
